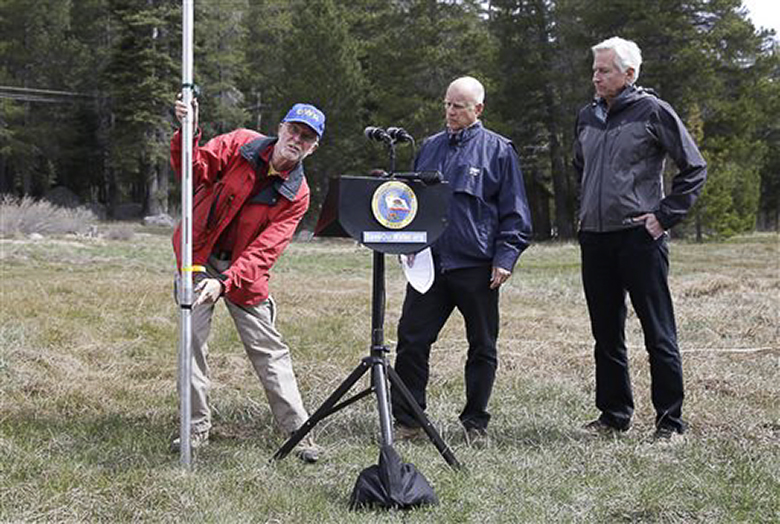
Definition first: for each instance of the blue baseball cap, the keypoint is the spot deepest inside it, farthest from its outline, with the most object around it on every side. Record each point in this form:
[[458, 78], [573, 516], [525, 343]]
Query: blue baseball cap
[[309, 115]]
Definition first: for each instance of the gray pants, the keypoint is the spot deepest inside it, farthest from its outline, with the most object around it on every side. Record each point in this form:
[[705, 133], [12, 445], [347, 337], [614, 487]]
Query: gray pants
[[269, 355]]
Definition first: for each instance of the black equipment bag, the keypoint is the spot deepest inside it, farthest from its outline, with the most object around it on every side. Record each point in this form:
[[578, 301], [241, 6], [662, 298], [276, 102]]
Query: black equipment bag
[[391, 484]]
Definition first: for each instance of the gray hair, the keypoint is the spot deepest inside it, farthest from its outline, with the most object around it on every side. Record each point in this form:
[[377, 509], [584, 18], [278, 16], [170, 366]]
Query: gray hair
[[627, 53], [473, 86]]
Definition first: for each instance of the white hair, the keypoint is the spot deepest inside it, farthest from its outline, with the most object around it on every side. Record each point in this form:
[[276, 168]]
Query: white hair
[[473, 86], [627, 53]]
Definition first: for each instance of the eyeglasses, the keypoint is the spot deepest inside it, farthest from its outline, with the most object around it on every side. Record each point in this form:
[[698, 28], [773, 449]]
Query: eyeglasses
[[301, 131], [456, 106]]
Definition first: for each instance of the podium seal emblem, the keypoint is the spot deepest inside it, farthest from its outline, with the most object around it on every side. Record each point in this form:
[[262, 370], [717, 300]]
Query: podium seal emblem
[[394, 205]]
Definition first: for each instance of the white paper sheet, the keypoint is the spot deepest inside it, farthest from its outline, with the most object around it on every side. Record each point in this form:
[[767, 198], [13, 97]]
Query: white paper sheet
[[420, 273]]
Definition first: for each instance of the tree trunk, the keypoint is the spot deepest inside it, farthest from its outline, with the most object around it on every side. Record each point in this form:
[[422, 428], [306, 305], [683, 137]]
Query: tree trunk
[[110, 182], [564, 220], [26, 168], [539, 202], [163, 176], [156, 201], [150, 205], [6, 182], [697, 220], [111, 189]]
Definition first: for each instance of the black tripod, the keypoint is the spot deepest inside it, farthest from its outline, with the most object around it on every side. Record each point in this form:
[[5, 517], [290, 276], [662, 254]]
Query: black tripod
[[381, 372]]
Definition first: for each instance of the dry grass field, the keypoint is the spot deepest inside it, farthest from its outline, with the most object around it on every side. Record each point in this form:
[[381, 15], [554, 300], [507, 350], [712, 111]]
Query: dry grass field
[[88, 341]]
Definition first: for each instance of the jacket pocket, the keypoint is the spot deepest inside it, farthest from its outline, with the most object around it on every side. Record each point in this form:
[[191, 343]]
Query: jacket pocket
[[210, 207], [467, 179], [210, 221], [472, 222], [202, 201]]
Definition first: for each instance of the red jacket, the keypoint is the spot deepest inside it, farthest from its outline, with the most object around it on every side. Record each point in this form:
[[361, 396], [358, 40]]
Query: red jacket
[[224, 174]]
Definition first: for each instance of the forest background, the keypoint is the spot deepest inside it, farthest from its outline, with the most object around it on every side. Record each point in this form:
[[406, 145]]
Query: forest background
[[87, 89]]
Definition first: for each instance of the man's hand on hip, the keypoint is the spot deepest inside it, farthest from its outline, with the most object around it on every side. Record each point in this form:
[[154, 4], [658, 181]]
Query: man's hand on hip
[[208, 290], [653, 226], [499, 276]]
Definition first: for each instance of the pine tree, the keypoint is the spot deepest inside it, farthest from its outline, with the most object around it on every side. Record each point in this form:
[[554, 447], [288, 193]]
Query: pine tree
[[35, 45], [264, 78], [767, 94], [141, 80], [530, 103], [220, 65], [701, 57], [320, 63], [83, 154]]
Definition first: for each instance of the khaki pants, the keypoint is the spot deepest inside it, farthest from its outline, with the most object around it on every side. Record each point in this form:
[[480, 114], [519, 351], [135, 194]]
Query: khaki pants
[[269, 355]]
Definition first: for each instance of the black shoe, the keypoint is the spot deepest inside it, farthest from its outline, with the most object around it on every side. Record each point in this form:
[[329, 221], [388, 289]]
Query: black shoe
[[477, 437], [668, 434], [599, 427]]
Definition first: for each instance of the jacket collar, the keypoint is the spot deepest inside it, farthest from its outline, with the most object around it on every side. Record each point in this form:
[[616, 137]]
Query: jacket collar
[[601, 109], [464, 135], [628, 96], [251, 151]]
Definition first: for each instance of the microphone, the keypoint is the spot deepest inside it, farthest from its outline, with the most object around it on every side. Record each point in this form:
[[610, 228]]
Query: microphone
[[399, 134], [428, 178], [377, 133]]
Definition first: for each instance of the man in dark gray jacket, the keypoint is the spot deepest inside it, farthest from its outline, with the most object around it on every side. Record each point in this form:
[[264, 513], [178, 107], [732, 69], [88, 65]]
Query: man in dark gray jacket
[[621, 141]]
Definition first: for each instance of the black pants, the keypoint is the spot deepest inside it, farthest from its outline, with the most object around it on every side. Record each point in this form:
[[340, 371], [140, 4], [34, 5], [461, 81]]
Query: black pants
[[613, 263], [422, 319]]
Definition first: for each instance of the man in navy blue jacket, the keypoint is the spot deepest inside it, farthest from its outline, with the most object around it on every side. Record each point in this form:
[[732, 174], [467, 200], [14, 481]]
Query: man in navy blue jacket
[[489, 225]]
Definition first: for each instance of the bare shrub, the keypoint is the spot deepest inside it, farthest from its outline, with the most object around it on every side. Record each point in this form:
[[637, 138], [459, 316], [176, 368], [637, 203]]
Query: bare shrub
[[120, 233], [26, 216]]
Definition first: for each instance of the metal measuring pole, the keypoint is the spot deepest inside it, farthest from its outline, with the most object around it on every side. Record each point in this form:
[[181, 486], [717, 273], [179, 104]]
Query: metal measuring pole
[[185, 297]]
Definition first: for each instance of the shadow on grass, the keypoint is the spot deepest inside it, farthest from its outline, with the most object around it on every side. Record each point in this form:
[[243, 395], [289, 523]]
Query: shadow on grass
[[524, 436], [114, 441], [120, 443]]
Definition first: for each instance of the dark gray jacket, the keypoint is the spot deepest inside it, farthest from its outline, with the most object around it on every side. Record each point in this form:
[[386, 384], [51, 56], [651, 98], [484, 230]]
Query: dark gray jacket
[[619, 155]]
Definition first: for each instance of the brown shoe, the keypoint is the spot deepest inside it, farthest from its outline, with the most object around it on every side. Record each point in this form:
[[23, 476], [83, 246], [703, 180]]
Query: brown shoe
[[307, 450], [408, 432], [197, 440]]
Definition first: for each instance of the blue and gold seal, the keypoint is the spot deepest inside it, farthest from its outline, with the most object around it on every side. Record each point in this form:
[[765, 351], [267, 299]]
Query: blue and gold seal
[[394, 205]]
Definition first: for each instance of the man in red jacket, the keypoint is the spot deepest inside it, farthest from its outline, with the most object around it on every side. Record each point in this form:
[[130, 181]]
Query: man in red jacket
[[250, 193]]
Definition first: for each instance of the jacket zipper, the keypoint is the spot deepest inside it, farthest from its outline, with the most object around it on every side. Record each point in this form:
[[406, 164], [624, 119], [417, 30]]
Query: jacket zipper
[[601, 175], [213, 209], [450, 156]]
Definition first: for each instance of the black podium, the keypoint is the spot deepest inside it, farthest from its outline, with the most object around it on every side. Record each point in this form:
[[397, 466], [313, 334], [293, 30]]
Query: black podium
[[392, 214]]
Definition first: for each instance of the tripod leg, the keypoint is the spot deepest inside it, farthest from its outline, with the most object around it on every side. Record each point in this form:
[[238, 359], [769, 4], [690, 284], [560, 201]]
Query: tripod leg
[[323, 411], [423, 420], [379, 378]]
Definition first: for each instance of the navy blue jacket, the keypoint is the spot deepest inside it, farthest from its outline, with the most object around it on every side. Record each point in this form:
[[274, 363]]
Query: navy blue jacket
[[489, 222]]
